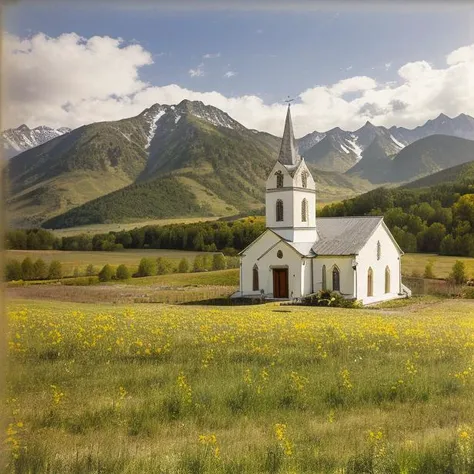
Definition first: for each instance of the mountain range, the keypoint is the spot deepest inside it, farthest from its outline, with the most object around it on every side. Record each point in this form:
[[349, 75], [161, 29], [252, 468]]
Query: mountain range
[[192, 159], [22, 138], [357, 152]]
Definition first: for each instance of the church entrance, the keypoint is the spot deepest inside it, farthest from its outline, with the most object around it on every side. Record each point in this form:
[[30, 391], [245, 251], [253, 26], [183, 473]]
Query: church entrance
[[280, 282]]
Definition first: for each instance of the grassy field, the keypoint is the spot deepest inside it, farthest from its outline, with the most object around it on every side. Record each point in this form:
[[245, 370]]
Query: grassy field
[[442, 265], [80, 260], [174, 288], [176, 389]]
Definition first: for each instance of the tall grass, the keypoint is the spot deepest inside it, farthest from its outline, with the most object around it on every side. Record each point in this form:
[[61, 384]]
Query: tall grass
[[170, 389]]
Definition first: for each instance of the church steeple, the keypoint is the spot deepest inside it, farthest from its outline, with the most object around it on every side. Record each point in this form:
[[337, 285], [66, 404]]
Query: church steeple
[[289, 151], [290, 198]]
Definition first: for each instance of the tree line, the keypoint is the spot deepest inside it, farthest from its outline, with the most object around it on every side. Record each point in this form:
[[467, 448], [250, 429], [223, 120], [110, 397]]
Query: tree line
[[227, 237], [439, 219], [28, 270]]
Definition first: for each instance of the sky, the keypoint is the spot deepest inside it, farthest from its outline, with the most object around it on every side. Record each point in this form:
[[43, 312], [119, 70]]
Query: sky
[[344, 63]]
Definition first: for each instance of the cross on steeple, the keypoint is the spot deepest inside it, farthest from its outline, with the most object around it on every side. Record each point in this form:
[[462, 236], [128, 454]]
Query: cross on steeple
[[288, 101]]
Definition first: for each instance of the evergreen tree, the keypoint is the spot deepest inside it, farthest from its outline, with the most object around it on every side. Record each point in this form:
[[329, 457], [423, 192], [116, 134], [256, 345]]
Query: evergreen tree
[[198, 241], [122, 272], [429, 270], [27, 269], [458, 273], [147, 267], [107, 273], [40, 269], [55, 270], [207, 262], [198, 265], [183, 266], [163, 266], [218, 262], [13, 271], [90, 270]]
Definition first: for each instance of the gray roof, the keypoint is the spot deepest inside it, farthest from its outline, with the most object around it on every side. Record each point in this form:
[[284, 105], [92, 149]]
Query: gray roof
[[303, 248], [344, 235], [288, 151]]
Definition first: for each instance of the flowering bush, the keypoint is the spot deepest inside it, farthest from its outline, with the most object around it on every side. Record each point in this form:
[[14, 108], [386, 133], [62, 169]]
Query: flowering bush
[[329, 298]]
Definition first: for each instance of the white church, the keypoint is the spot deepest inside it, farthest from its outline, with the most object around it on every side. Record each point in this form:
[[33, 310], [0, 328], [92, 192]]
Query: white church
[[299, 254]]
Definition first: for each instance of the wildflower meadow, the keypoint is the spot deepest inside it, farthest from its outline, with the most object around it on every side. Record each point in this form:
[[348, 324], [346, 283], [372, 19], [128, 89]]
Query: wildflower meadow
[[155, 388]]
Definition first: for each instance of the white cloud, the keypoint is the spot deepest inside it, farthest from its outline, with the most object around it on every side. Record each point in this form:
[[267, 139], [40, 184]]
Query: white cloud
[[211, 55], [353, 84], [229, 74], [199, 71], [71, 81], [388, 66]]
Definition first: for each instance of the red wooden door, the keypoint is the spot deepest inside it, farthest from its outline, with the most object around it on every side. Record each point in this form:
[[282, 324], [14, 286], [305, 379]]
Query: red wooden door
[[280, 283]]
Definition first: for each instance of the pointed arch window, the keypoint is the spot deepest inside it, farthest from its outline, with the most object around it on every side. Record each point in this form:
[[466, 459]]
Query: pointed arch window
[[336, 280], [379, 250], [387, 279], [304, 179], [279, 210], [304, 210], [255, 285], [324, 283], [279, 176], [370, 282]]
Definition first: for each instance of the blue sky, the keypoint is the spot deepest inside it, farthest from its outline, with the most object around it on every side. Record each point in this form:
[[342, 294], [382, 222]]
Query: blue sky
[[272, 53]]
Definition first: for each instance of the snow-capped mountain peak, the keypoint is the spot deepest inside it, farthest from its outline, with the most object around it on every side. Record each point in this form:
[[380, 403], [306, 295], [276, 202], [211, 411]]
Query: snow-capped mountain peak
[[22, 138]]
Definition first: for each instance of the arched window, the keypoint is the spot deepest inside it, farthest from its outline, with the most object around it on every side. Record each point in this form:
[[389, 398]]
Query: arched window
[[304, 210], [379, 250], [336, 285], [279, 176], [279, 210], [387, 279], [304, 179], [370, 282], [324, 284], [255, 278]]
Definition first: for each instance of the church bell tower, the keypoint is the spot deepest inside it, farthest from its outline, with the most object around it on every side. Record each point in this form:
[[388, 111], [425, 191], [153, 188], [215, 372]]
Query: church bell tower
[[291, 193]]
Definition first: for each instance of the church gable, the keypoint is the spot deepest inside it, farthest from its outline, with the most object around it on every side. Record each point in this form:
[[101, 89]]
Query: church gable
[[260, 245], [279, 177]]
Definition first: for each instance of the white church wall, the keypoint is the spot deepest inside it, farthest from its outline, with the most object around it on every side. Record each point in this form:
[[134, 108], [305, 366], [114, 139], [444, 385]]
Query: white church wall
[[298, 196], [306, 276], [346, 274], [270, 203], [292, 227], [250, 258], [367, 258], [291, 260]]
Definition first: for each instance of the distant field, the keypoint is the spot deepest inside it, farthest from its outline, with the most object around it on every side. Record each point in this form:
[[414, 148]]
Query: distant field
[[149, 388], [174, 288], [80, 260], [104, 228], [442, 265]]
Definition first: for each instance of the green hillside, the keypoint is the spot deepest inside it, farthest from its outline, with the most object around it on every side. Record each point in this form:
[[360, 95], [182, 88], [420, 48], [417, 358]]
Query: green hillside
[[430, 155], [167, 198], [187, 160], [198, 169], [457, 174], [75, 168]]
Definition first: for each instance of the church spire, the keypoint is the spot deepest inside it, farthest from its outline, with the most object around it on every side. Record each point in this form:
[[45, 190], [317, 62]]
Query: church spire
[[288, 151]]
